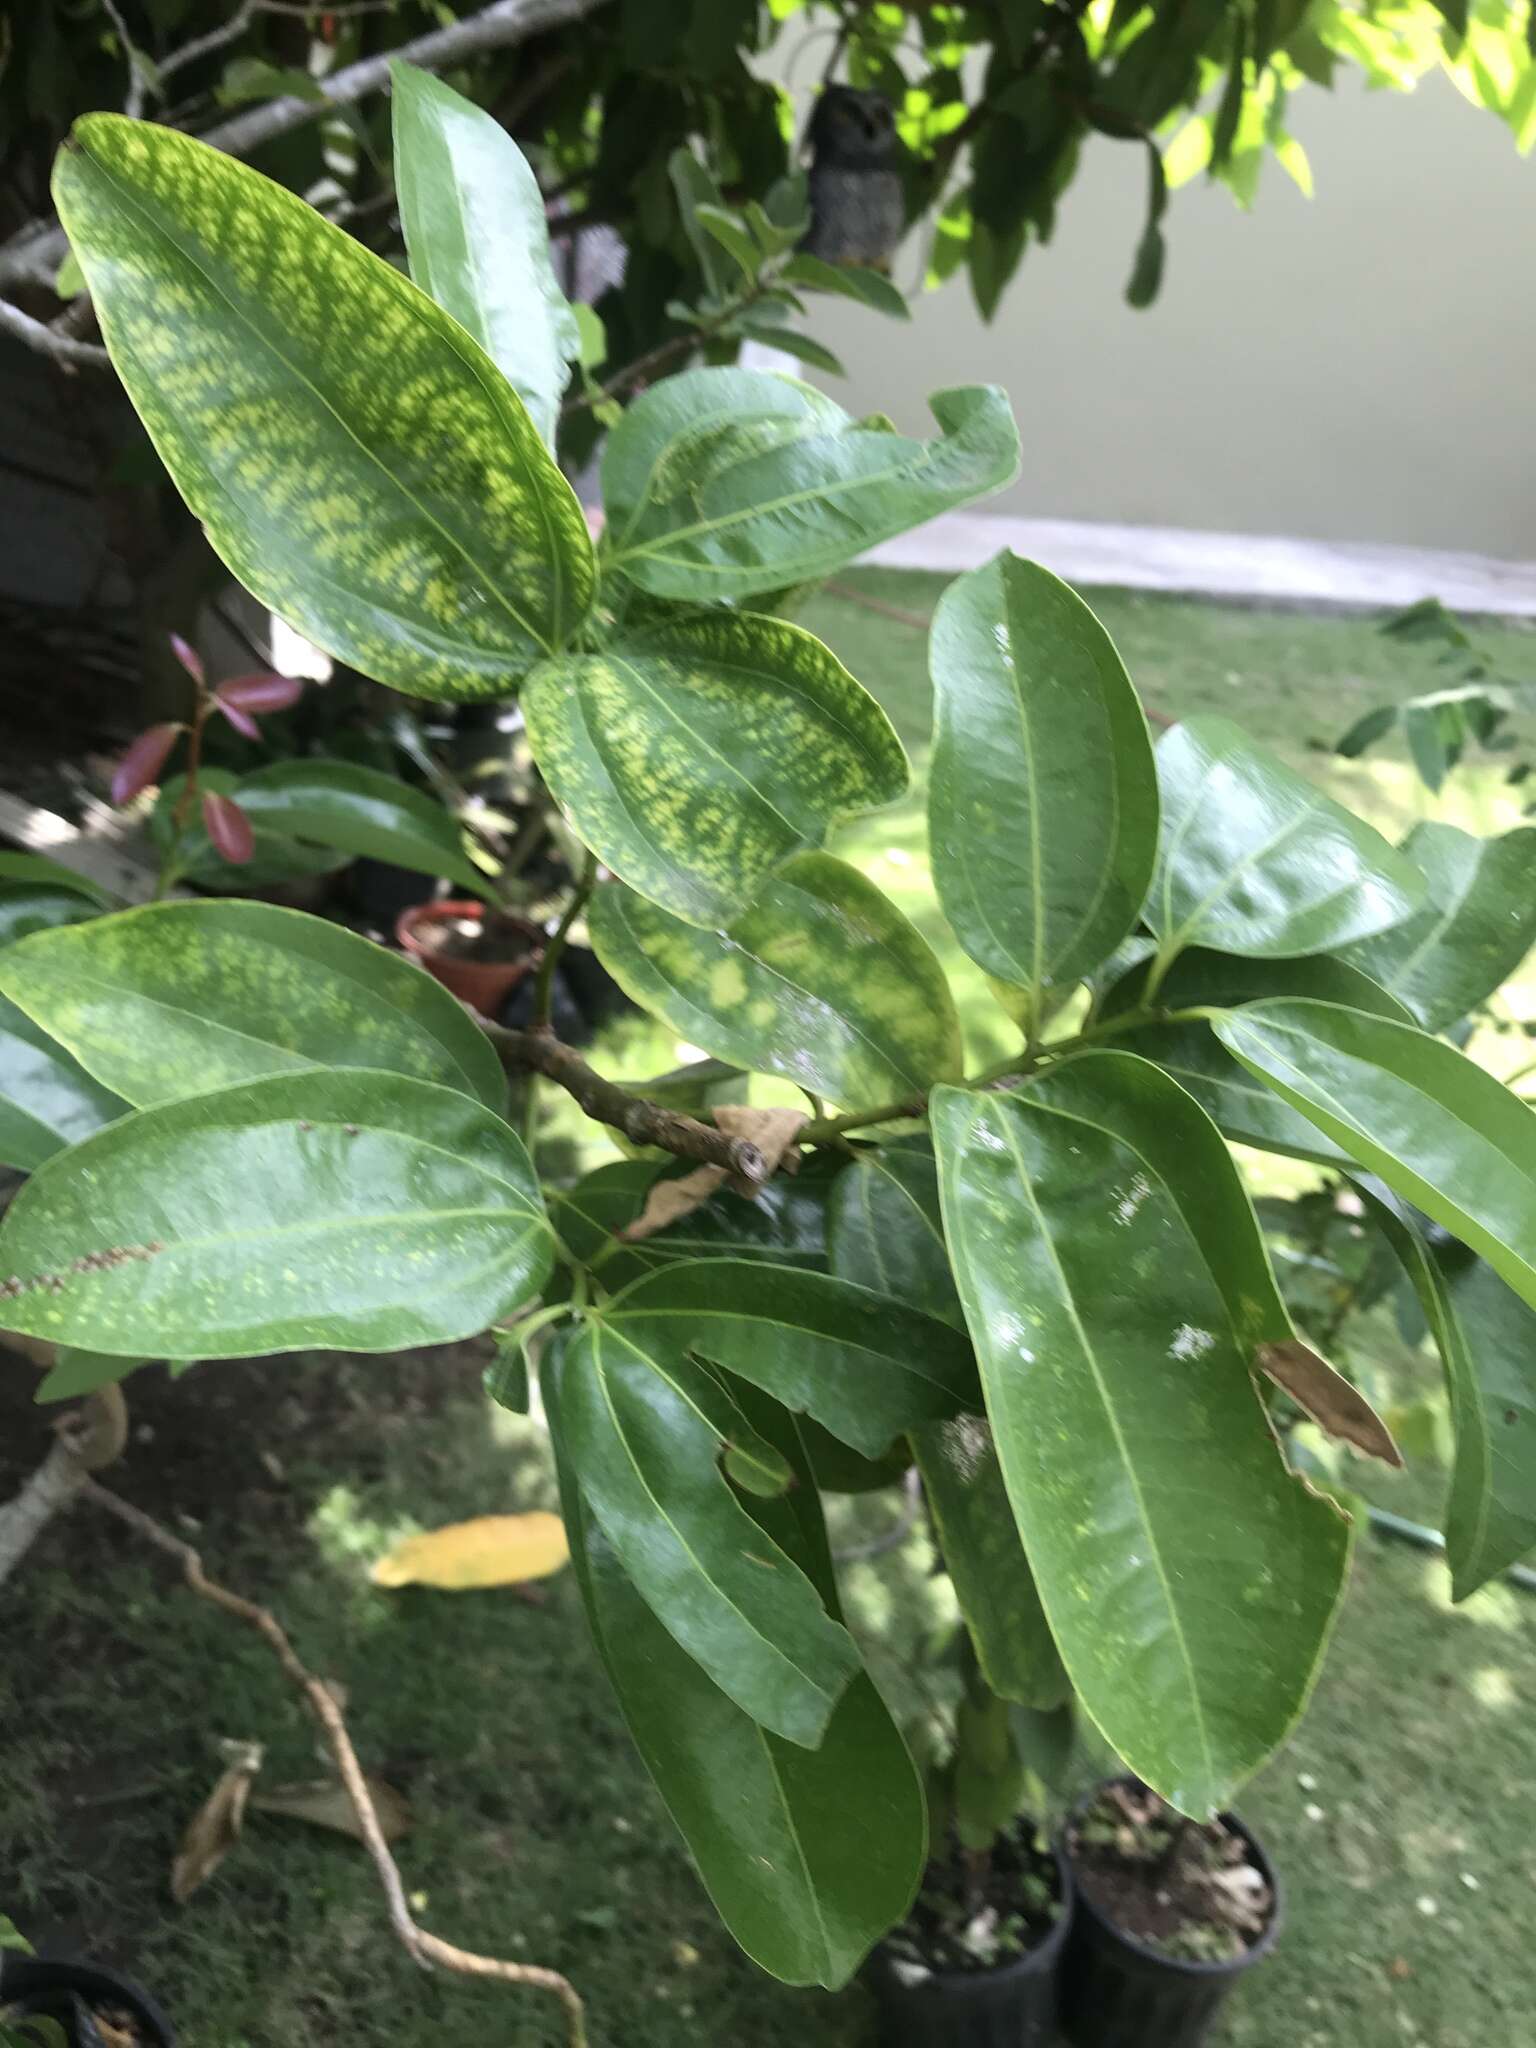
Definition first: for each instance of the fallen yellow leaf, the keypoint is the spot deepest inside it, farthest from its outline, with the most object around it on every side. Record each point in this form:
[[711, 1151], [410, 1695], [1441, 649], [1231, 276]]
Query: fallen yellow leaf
[[491, 1550], [215, 1828]]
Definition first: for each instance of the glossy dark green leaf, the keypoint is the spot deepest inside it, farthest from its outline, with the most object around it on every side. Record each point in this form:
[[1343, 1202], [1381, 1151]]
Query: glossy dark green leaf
[[695, 756], [822, 981], [477, 238], [354, 456], [1486, 1337], [724, 483], [1440, 1131], [1476, 926], [27, 907], [341, 1208], [647, 1428], [1042, 797], [81, 1372], [849, 281], [1370, 727], [884, 1229], [275, 858], [1254, 859], [47, 1099], [978, 1539], [177, 998], [1189, 1580], [36, 870], [866, 1368], [808, 1855], [1201, 978], [1240, 1105], [357, 810]]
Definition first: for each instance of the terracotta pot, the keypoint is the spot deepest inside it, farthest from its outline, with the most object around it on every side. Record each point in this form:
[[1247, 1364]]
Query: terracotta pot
[[483, 984]]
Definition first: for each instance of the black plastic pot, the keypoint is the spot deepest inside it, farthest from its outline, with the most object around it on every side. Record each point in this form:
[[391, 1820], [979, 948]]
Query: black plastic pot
[[1013, 2006], [1119, 1993], [59, 1988]]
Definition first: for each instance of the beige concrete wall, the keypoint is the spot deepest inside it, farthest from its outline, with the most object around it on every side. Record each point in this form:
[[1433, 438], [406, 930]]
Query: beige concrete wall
[[1360, 366]]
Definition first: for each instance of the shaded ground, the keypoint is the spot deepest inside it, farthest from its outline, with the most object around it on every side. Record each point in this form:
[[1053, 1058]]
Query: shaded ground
[[537, 1833]]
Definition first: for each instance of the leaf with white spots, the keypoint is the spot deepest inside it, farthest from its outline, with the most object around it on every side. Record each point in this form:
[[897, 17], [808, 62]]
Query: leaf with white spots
[[341, 1208], [695, 756], [822, 981], [1189, 1580], [354, 456], [176, 998], [727, 483]]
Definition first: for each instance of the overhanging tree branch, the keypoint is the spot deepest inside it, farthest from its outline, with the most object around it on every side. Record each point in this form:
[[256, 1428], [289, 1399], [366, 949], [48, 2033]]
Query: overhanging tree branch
[[47, 341], [37, 257]]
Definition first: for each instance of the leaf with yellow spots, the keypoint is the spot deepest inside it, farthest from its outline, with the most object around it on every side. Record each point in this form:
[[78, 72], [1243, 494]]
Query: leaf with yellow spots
[[822, 981], [489, 1550], [695, 756], [176, 998], [354, 455], [1189, 1579], [343, 1208], [727, 483]]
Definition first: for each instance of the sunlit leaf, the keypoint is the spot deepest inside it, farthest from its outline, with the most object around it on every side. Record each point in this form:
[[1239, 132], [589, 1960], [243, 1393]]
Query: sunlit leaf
[[695, 756], [822, 981], [488, 1550], [340, 1208], [47, 1099], [176, 998], [354, 456], [357, 810]]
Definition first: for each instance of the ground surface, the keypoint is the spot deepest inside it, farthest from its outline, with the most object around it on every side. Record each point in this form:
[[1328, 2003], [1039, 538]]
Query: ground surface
[[1400, 1816]]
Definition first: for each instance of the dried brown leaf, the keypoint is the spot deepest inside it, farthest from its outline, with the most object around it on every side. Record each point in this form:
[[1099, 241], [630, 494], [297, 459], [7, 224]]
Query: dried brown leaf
[[1338, 1408], [772, 1131], [215, 1828], [668, 1201], [323, 1802]]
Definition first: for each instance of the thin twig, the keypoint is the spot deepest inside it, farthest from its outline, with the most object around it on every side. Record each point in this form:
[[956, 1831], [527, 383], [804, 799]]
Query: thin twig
[[642, 1122], [424, 1947], [63, 348], [544, 985], [133, 105], [505, 23]]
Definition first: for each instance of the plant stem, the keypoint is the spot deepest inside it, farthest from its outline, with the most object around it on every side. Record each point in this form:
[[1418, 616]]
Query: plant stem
[[665, 352]]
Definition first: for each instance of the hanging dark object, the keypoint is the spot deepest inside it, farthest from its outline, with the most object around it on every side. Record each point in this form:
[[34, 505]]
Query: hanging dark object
[[857, 213]]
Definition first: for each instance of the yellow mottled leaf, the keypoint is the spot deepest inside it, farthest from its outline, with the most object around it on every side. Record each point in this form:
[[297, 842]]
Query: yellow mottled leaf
[[490, 1550]]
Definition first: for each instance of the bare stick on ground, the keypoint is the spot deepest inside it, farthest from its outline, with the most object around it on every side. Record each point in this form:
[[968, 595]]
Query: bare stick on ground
[[426, 1948]]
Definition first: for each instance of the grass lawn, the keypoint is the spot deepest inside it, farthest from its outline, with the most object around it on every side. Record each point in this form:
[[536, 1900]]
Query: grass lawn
[[1400, 1815]]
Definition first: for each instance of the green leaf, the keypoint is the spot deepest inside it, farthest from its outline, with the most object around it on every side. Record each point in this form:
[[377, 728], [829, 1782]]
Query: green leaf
[[1254, 859], [808, 1855], [1224, 980], [696, 188], [723, 482], [506, 1378], [82, 1372], [354, 456], [36, 869], [1128, 1429], [361, 812], [805, 347], [275, 859], [866, 1368], [26, 908], [1042, 800], [646, 1428], [822, 981], [342, 1208], [176, 998], [979, 1542], [850, 281], [47, 1099], [884, 1229], [1474, 929], [1486, 1337], [732, 236], [695, 756], [1438, 1130], [476, 236], [1370, 727], [1240, 1106]]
